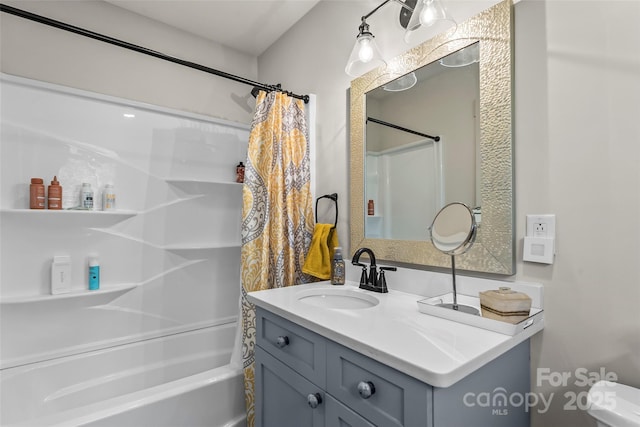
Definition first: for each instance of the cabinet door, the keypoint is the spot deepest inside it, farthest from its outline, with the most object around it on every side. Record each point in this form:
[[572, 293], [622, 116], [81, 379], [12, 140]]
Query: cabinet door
[[492, 396], [338, 415], [282, 395]]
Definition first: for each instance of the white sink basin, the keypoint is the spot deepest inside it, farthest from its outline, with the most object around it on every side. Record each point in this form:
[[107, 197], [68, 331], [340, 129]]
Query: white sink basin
[[339, 298]]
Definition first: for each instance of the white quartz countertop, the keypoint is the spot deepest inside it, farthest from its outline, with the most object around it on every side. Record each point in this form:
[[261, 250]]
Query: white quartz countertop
[[438, 351]]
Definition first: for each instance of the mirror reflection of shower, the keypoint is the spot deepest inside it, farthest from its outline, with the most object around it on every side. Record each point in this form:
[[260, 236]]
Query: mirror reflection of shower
[[407, 185], [453, 232]]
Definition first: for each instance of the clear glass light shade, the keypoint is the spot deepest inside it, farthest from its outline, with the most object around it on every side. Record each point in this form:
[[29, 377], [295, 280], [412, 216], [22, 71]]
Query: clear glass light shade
[[429, 18], [364, 57], [401, 83], [463, 57]]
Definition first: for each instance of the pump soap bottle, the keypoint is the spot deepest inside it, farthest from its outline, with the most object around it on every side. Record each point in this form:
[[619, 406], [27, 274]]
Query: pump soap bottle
[[337, 267]]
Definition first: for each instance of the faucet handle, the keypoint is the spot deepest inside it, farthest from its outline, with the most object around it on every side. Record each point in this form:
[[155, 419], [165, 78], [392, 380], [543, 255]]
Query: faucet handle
[[363, 276], [382, 281]]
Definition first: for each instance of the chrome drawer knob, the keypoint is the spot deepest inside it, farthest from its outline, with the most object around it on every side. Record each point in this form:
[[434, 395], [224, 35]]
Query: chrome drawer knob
[[282, 341], [314, 400], [366, 389]]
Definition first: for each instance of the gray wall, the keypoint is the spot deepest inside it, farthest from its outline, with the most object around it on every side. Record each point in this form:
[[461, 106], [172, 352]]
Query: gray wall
[[577, 154], [36, 51]]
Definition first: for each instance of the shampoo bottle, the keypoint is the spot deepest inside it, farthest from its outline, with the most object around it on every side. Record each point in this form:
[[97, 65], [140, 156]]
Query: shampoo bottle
[[36, 193], [337, 267], [240, 173], [94, 273], [109, 198], [55, 194]]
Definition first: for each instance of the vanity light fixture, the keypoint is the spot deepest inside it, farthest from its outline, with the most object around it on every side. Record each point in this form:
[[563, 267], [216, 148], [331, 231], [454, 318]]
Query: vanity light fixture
[[430, 14], [365, 55], [429, 17]]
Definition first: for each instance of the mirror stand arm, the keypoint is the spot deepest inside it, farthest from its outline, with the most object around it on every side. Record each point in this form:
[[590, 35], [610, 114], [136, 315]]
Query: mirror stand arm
[[453, 275]]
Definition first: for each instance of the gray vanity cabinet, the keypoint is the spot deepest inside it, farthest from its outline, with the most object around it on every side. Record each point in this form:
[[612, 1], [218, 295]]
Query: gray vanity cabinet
[[304, 379]]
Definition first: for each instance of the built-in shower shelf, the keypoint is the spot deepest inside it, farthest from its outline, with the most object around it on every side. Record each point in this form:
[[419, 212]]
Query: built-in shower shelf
[[100, 296], [72, 217], [200, 246], [196, 182]]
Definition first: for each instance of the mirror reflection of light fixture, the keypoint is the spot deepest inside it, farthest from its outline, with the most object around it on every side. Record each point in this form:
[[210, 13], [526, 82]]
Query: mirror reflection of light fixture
[[431, 14], [365, 55], [401, 83], [463, 57]]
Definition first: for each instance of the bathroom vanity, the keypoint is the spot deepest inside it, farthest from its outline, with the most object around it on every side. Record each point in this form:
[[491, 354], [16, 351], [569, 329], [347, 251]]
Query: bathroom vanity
[[344, 357]]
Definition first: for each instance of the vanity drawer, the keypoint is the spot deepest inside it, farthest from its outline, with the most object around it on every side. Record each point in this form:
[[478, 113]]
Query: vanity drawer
[[302, 350], [396, 399]]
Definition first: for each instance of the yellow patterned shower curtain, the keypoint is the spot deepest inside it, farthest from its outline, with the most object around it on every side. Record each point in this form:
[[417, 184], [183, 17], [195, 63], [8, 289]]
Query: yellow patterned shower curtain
[[277, 215]]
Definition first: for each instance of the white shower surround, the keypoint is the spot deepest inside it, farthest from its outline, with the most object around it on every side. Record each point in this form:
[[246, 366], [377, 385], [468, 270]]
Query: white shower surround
[[170, 255], [154, 382]]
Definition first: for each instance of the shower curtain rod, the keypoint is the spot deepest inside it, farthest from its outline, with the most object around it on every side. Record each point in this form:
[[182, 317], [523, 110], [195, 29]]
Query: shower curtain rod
[[391, 125], [101, 37]]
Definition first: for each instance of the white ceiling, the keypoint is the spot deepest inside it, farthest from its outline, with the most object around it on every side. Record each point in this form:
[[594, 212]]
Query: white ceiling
[[249, 26]]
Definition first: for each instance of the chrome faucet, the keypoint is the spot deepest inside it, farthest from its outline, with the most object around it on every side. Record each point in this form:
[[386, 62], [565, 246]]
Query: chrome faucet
[[371, 281]]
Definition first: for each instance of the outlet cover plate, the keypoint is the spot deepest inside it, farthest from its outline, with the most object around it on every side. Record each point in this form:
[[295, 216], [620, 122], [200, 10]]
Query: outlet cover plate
[[541, 226]]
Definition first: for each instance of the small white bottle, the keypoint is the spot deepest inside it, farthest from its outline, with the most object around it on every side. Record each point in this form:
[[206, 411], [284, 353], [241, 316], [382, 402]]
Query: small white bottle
[[109, 198], [94, 273], [61, 275], [86, 196]]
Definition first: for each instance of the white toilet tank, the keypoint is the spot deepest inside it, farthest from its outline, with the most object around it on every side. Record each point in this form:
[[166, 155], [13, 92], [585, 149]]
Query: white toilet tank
[[614, 405]]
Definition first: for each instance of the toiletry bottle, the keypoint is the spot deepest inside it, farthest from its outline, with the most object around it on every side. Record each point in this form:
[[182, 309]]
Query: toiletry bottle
[[337, 267], [109, 198], [61, 275], [94, 273], [240, 173], [36, 194], [86, 196], [55, 195], [370, 208]]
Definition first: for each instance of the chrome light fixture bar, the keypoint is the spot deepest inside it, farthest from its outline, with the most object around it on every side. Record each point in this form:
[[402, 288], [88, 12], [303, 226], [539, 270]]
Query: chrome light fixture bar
[[366, 55]]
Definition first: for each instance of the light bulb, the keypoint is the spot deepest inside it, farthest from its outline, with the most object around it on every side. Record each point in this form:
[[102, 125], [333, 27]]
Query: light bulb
[[365, 53], [428, 14]]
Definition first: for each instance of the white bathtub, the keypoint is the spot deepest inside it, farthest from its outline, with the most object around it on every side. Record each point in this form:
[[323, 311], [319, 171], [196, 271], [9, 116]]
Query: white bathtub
[[171, 381]]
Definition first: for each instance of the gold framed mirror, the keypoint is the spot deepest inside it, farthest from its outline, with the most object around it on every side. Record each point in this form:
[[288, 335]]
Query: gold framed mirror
[[490, 34]]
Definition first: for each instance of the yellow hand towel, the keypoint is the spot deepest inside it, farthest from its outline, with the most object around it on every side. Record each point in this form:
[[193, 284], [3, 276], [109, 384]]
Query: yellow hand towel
[[318, 261]]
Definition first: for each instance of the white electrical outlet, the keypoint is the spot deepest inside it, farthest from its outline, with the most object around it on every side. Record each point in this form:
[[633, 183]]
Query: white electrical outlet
[[540, 240], [541, 226]]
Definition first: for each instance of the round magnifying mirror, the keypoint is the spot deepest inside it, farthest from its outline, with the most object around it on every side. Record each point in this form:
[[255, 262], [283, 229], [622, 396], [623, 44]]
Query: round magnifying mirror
[[453, 232], [454, 229]]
